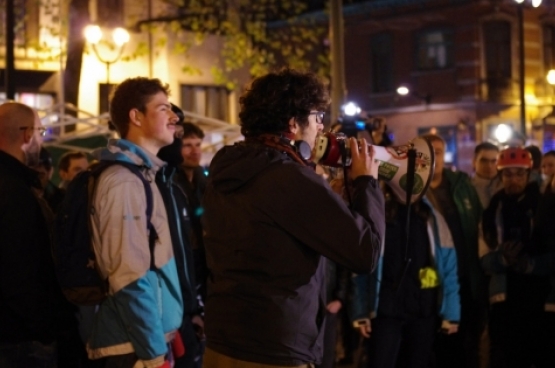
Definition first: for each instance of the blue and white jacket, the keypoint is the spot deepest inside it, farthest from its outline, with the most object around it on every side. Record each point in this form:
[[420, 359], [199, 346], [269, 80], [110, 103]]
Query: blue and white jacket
[[367, 286], [144, 307]]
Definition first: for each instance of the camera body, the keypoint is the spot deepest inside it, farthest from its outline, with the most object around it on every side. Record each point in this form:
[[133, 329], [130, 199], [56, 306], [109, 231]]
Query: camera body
[[352, 125]]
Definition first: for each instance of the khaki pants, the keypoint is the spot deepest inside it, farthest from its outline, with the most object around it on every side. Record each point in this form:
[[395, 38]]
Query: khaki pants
[[213, 359]]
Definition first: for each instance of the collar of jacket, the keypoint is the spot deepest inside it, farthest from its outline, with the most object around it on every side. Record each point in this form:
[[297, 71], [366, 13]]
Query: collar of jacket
[[127, 151], [166, 173], [19, 169]]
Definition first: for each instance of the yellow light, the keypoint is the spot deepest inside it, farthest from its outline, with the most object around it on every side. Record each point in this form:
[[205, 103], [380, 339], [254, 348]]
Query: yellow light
[[93, 33], [551, 76], [120, 36], [536, 3]]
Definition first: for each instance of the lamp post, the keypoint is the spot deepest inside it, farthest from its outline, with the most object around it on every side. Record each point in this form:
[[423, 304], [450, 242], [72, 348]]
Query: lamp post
[[120, 37], [404, 90], [521, 60]]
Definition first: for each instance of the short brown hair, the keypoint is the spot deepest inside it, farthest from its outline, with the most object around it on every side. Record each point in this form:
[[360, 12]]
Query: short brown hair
[[133, 93], [433, 138], [192, 130], [65, 161], [485, 146]]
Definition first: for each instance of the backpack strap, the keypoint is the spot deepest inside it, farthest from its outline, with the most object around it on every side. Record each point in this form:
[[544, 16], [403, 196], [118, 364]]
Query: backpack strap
[[135, 169]]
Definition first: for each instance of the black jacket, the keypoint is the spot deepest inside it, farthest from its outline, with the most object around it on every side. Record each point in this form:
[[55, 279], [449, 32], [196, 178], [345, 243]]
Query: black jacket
[[267, 221], [194, 192], [28, 293], [180, 229]]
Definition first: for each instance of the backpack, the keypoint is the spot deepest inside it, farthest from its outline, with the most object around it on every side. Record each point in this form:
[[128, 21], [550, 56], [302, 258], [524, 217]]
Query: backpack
[[73, 253]]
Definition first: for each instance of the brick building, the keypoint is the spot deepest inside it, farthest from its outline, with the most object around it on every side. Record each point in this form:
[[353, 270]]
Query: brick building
[[460, 59]]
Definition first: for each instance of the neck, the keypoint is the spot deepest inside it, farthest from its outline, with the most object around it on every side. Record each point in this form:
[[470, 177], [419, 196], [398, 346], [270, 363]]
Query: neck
[[189, 172], [484, 177], [436, 180], [144, 143]]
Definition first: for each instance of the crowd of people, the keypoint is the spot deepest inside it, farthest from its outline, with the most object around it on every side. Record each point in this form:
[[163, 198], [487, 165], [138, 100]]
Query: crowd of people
[[267, 262]]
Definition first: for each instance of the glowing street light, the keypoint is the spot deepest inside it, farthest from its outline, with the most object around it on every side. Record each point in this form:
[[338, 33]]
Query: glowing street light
[[403, 91], [503, 133], [120, 37]]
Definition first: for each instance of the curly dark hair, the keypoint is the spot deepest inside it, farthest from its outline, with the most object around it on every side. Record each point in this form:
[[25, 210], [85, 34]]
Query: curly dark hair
[[132, 93], [272, 100]]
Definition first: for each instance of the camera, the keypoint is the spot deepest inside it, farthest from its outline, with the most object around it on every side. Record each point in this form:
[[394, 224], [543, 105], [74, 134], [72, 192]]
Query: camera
[[352, 125]]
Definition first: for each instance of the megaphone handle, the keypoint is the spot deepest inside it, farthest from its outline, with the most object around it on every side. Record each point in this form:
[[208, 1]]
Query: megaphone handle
[[411, 155], [343, 150]]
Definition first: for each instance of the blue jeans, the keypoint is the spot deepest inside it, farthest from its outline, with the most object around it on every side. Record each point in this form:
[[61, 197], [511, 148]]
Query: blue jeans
[[28, 354]]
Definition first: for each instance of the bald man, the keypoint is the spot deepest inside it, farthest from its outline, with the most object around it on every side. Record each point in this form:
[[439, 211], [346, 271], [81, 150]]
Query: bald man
[[27, 281]]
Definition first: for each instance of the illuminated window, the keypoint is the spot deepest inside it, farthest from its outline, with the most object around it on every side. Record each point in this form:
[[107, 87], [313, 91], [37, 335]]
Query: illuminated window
[[210, 101], [434, 49]]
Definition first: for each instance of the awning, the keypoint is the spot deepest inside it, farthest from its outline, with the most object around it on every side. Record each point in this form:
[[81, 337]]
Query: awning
[[27, 80]]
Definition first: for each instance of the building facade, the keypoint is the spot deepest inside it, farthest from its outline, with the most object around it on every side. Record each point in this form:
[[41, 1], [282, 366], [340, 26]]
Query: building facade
[[461, 61]]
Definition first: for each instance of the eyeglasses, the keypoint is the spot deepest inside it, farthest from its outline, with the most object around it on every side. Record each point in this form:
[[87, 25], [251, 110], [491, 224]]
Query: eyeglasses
[[41, 130], [319, 116]]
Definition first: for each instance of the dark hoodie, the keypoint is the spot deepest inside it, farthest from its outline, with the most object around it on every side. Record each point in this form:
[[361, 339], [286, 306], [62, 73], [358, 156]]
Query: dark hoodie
[[267, 221]]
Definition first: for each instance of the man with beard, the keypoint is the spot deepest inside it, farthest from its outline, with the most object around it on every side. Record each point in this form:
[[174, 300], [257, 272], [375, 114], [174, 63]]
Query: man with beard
[[27, 281], [269, 219], [517, 300]]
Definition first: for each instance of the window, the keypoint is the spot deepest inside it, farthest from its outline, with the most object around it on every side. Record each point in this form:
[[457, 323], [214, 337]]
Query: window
[[210, 101], [497, 46], [434, 49], [549, 47], [381, 62]]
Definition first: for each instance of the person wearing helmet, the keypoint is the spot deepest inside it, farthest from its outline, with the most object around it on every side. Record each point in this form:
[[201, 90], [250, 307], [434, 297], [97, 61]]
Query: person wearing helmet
[[516, 299]]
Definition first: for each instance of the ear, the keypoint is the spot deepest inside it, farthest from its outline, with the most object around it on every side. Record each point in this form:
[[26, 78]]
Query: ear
[[27, 135], [293, 126], [135, 117]]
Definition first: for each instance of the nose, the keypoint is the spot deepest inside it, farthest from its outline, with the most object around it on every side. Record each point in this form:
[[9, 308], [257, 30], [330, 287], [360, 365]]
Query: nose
[[173, 117]]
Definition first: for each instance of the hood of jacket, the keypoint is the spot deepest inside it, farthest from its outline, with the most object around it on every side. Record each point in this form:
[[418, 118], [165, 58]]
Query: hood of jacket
[[126, 151], [235, 166]]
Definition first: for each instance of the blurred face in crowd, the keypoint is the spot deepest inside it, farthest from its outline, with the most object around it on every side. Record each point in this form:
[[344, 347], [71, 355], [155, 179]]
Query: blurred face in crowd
[[548, 165], [191, 151], [514, 180], [439, 152], [485, 164], [44, 174], [76, 165]]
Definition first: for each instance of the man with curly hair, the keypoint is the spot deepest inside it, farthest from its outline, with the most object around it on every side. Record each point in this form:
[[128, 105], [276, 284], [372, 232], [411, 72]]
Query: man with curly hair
[[270, 220]]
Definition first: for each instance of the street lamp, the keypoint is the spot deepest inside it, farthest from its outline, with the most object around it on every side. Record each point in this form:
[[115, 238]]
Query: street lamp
[[520, 17], [93, 35], [404, 91]]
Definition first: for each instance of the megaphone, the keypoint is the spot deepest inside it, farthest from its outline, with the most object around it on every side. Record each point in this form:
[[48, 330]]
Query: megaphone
[[332, 149]]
